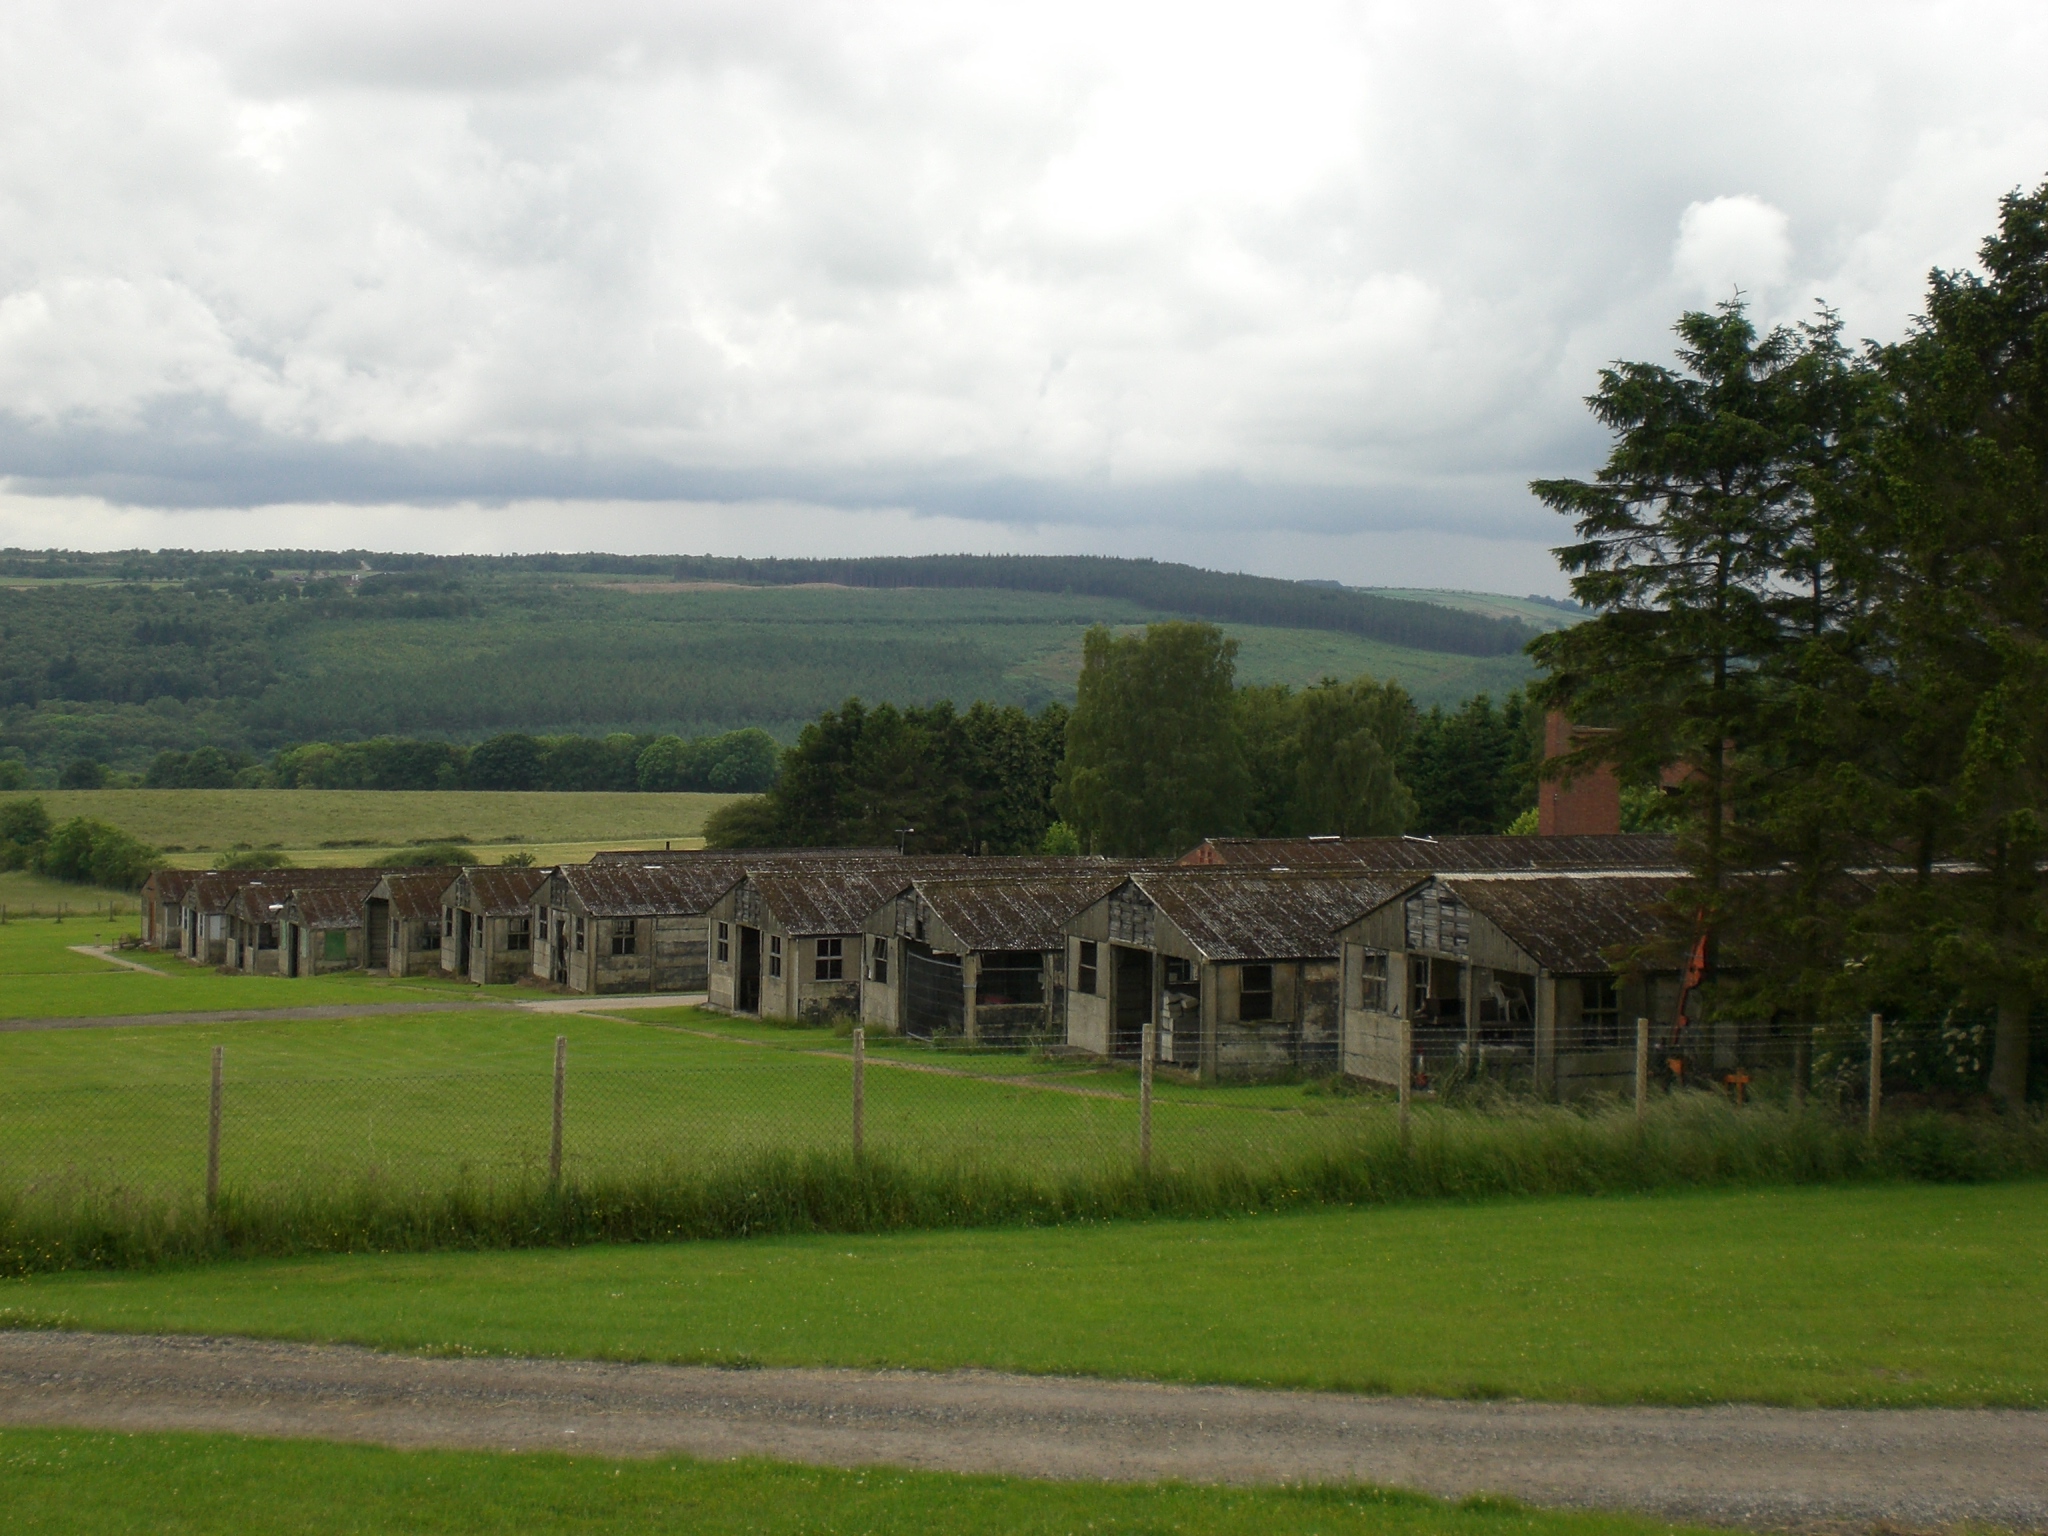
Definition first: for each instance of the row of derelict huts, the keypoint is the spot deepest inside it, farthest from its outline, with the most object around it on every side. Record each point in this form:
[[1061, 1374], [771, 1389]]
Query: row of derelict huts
[[1249, 957]]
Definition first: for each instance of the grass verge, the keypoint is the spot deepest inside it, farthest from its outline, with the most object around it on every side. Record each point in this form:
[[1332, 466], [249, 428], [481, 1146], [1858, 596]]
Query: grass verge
[[64, 1481], [1885, 1296], [1690, 1142]]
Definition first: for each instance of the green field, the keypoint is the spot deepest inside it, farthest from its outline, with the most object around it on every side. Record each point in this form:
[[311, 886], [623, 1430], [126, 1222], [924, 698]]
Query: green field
[[351, 826], [1868, 1297], [56, 1481], [41, 977]]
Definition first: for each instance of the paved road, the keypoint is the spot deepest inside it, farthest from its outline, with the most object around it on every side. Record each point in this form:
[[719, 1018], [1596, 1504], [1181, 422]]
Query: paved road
[[1762, 1467]]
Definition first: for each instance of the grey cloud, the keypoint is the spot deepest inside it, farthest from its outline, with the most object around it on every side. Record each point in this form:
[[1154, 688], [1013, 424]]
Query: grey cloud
[[1091, 266]]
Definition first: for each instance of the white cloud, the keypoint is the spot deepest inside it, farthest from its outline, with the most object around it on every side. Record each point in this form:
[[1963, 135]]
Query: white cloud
[[1087, 273], [1732, 245]]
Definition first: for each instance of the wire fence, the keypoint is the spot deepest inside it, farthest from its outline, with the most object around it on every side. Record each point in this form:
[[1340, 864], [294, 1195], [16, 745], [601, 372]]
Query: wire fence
[[1021, 1114]]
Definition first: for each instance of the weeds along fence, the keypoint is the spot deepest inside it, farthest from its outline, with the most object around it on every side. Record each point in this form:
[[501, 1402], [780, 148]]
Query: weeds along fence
[[838, 1136], [89, 911]]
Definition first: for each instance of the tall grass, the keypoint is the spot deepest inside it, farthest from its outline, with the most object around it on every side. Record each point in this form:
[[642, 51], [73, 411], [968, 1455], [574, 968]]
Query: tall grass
[[1694, 1141]]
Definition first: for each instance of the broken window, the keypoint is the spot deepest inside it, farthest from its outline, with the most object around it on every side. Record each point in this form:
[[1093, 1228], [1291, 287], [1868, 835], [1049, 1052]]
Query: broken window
[[1599, 1013], [829, 964], [518, 933], [1084, 975], [579, 935], [774, 954], [878, 968], [724, 942], [1255, 993], [625, 935]]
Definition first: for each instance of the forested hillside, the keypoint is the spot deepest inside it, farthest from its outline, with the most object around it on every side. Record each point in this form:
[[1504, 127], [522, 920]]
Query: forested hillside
[[117, 658]]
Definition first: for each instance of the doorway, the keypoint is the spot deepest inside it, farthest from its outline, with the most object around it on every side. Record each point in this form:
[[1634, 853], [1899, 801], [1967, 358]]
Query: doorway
[[377, 935], [291, 952], [1133, 1000], [748, 998], [462, 950]]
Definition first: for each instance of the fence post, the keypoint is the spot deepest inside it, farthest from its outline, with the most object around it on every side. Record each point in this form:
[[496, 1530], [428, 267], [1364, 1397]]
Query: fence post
[[1642, 1072], [1876, 1068], [1148, 1043], [555, 1140], [213, 1133], [860, 1089], [1405, 1032]]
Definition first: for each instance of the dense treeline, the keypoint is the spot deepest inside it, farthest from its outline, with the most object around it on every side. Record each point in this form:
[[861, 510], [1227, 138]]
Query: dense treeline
[[1820, 580], [1163, 748], [1163, 587]]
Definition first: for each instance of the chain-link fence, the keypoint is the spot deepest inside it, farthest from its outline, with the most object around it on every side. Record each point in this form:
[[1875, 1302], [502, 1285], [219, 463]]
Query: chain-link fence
[[1031, 1114]]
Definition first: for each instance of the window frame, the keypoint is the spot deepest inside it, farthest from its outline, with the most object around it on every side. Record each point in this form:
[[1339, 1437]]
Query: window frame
[[1600, 1021], [828, 959], [1375, 973], [625, 937], [519, 933], [725, 943], [775, 955], [1246, 992], [579, 935], [1088, 968], [878, 961]]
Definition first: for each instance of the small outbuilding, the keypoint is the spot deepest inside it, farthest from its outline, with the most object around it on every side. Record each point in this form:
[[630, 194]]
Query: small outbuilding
[[1237, 968], [163, 900], [980, 959], [322, 930], [402, 922], [786, 938], [1507, 975], [487, 921], [255, 914], [625, 927]]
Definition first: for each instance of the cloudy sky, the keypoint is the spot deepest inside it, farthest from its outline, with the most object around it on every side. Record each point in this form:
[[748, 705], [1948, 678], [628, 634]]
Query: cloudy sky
[[1304, 289]]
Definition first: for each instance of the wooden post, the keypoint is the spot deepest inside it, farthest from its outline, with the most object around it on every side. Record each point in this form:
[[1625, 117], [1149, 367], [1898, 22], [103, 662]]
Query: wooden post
[[1642, 1072], [1876, 1068], [1405, 1039], [213, 1133], [860, 1089], [555, 1139], [1148, 1043]]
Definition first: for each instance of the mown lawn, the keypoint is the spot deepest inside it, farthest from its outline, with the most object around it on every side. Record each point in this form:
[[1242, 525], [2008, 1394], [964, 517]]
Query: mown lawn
[[40, 977], [1875, 1296], [349, 826], [59, 1481]]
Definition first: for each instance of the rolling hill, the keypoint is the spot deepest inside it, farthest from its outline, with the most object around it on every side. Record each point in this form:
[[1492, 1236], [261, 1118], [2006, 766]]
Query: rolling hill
[[116, 657]]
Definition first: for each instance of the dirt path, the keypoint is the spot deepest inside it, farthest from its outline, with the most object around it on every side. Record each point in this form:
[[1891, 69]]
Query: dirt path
[[106, 952], [1763, 1467]]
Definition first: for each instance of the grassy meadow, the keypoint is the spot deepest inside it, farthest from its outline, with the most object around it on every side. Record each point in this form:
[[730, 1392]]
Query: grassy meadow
[[1885, 1296], [55, 1482], [350, 826], [42, 977]]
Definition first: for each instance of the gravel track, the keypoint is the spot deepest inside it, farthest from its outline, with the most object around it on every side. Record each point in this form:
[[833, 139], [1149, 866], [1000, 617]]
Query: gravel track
[[1768, 1468]]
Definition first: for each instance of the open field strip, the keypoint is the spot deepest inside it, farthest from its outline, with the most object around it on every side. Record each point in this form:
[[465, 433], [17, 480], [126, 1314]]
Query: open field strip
[[56, 1482], [193, 822], [1881, 1296]]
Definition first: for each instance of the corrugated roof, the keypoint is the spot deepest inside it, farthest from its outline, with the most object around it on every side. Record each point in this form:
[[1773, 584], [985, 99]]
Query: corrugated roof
[[1567, 922], [213, 890], [684, 855], [1020, 912], [618, 889], [327, 906], [1231, 914], [813, 901], [1440, 855], [170, 884], [415, 894], [496, 890], [259, 900]]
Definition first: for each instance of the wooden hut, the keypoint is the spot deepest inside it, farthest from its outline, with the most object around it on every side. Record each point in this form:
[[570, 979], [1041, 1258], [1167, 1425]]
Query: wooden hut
[[629, 927], [163, 900], [981, 959], [321, 929], [1507, 975], [402, 922], [785, 939], [1237, 968], [487, 920]]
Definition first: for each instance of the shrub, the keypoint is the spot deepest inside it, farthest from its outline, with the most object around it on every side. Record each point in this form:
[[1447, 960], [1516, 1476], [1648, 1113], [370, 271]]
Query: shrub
[[88, 852], [82, 773], [428, 856], [24, 828]]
